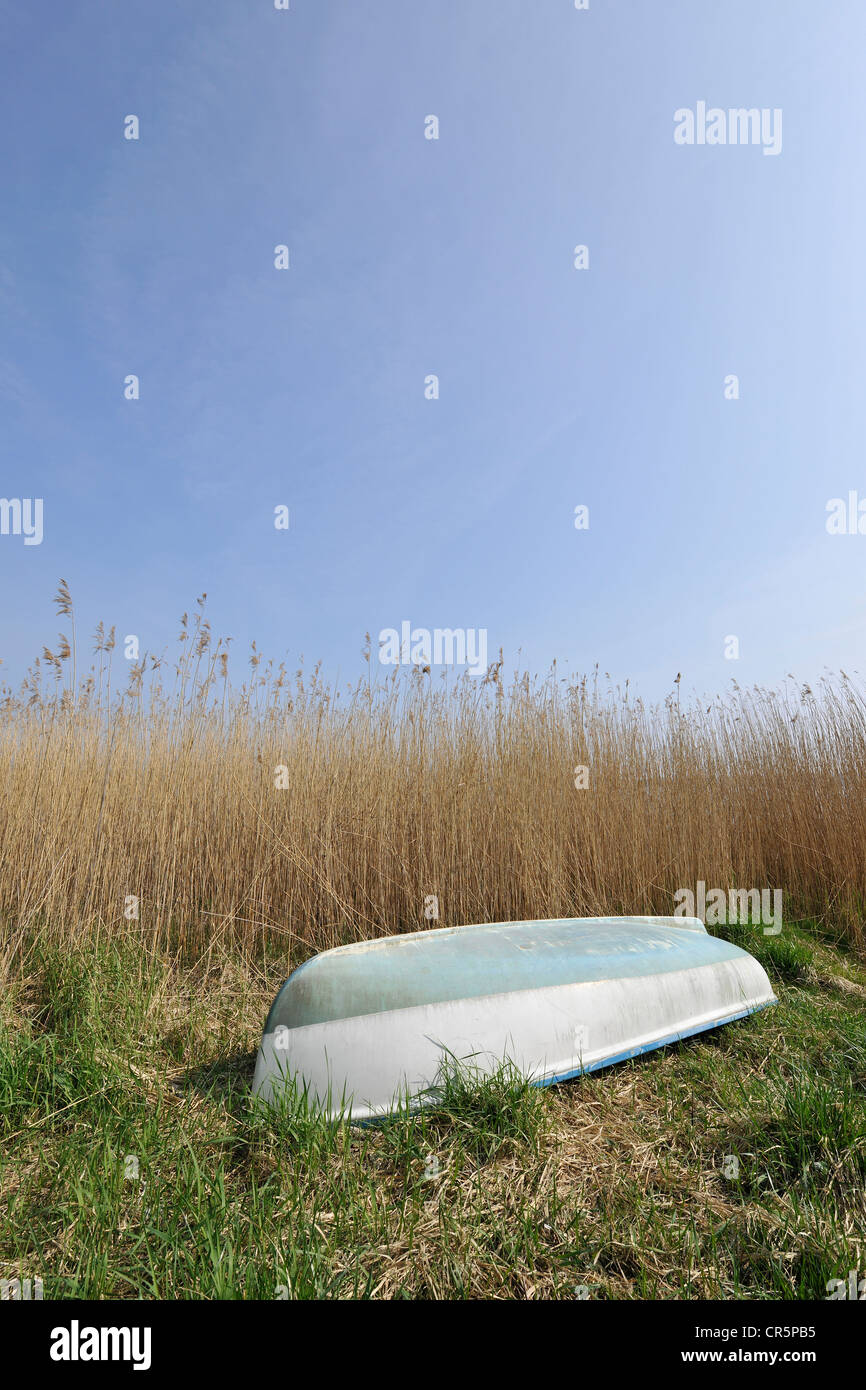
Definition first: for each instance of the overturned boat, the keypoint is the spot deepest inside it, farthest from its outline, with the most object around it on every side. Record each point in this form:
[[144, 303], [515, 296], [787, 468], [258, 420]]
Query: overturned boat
[[362, 1030]]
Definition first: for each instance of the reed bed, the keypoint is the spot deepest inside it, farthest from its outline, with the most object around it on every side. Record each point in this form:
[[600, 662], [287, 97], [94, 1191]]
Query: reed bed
[[280, 810]]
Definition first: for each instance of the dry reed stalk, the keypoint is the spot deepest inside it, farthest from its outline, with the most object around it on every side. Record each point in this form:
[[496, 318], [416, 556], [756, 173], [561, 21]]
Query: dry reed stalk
[[407, 787]]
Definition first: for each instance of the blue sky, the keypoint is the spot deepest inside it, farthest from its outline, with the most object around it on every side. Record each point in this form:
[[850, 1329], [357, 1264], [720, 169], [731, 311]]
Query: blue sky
[[408, 257]]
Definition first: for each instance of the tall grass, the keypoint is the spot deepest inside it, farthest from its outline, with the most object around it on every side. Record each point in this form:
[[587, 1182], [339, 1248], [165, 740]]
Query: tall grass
[[158, 780]]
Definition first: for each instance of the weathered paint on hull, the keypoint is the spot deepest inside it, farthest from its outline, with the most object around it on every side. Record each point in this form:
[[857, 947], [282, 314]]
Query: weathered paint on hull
[[364, 1028]]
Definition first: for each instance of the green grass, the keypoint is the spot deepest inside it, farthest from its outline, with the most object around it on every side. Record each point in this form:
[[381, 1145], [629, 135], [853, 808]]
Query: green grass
[[134, 1165], [784, 957]]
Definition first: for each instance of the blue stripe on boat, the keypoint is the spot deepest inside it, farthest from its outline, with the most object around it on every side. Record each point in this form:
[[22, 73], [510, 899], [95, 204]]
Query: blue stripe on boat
[[651, 1046]]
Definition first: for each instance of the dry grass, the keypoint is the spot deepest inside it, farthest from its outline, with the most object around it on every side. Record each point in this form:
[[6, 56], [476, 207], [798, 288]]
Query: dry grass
[[162, 787]]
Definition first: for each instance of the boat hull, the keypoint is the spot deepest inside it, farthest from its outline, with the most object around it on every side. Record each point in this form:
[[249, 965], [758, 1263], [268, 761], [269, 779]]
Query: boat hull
[[590, 992]]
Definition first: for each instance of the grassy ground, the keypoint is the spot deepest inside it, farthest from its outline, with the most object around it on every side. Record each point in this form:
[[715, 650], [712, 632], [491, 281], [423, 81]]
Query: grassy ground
[[132, 1164]]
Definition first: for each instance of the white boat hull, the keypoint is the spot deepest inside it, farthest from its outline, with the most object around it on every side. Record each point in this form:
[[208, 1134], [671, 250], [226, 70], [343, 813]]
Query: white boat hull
[[364, 1065]]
